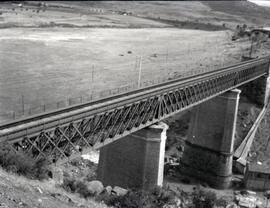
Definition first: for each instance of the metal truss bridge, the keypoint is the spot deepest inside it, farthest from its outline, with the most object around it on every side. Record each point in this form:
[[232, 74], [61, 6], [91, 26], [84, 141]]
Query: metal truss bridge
[[61, 133]]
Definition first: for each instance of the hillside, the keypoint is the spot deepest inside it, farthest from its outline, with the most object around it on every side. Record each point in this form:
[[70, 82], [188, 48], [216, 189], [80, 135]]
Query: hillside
[[18, 191], [245, 9], [218, 13], [213, 12]]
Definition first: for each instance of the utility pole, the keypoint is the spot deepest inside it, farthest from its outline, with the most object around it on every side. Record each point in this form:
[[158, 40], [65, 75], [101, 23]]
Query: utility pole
[[223, 57], [167, 56], [251, 47], [136, 63], [22, 104], [140, 71], [93, 71], [92, 79]]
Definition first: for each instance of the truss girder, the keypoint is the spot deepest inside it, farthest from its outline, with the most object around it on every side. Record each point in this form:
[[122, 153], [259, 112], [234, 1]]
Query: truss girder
[[93, 130]]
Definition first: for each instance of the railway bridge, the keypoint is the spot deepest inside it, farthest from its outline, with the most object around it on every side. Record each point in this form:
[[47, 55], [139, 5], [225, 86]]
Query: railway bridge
[[128, 128]]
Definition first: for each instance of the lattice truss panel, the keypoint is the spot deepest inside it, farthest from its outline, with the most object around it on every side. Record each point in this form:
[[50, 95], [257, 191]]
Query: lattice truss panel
[[100, 129]]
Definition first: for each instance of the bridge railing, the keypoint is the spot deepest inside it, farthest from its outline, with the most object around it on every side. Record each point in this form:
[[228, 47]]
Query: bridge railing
[[28, 109]]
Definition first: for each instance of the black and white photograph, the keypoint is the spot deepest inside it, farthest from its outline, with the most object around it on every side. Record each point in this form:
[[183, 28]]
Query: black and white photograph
[[135, 104]]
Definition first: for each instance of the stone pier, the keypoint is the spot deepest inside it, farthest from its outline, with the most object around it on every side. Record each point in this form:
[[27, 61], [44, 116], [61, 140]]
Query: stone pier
[[209, 147], [135, 161], [258, 90]]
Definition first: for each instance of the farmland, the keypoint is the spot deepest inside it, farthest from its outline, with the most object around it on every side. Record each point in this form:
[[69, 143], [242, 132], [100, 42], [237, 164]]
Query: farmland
[[79, 52]]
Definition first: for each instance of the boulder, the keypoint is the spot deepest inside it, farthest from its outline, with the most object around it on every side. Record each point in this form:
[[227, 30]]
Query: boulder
[[119, 191], [94, 187], [108, 190], [57, 175]]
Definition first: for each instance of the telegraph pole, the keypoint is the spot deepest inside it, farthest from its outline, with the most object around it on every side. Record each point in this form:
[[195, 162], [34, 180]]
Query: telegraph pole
[[22, 104], [140, 71], [92, 78], [251, 47], [167, 56]]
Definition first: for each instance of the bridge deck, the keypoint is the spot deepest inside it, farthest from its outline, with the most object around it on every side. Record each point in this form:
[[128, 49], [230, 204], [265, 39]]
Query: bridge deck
[[60, 133]]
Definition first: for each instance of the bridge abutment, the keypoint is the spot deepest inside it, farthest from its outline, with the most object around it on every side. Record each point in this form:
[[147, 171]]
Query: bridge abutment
[[135, 161], [209, 147]]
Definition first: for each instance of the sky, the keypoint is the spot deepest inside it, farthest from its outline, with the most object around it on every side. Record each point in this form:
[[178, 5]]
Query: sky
[[261, 2]]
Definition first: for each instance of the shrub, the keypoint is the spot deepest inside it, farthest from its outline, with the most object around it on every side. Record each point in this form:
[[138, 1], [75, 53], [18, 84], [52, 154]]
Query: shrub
[[221, 202], [82, 189], [163, 196], [131, 200], [91, 176], [41, 169], [158, 197], [69, 184], [22, 164], [186, 180], [204, 199], [76, 186]]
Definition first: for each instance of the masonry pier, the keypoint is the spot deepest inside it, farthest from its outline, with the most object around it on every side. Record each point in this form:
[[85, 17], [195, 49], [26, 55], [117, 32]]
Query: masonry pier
[[209, 147], [135, 161], [258, 90]]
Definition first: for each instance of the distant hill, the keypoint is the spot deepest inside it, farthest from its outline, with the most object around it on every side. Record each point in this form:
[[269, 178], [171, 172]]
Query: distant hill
[[245, 9], [214, 12]]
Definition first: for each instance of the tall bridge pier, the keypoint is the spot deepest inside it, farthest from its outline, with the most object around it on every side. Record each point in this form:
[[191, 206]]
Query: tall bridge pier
[[135, 161], [258, 91], [209, 147], [265, 80]]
